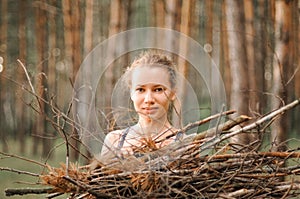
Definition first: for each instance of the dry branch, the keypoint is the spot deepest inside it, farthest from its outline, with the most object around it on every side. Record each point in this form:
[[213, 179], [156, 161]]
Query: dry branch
[[180, 170], [18, 171], [12, 192]]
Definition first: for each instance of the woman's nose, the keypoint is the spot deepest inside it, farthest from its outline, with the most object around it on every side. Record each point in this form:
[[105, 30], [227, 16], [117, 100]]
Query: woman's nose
[[148, 97]]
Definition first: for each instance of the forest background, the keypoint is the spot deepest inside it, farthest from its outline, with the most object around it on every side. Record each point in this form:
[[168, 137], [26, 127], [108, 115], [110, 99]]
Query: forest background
[[254, 43]]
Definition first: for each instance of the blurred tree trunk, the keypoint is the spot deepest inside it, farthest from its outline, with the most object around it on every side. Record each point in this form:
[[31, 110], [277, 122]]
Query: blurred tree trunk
[[88, 34], [54, 52], [76, 61], [158, 13], [209, 26], [282, 71], [239, 100], [269, 38], [237, 56], [20, 106], [3, 54], [172, 8], [225, 65], [216, 21], [296, 26], [187, 12], [39, 130], [118, 21], [257, 103], [51, 75], [72, 25], [252, 73], [67, 13], [88, 27], [126, 16], [113, 28], [72, 21]]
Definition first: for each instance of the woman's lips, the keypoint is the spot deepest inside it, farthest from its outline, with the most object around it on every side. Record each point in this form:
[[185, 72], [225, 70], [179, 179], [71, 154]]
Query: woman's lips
[[150, 110]]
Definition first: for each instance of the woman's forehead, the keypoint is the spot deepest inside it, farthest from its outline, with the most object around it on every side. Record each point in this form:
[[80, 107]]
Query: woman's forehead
[[150, 76]]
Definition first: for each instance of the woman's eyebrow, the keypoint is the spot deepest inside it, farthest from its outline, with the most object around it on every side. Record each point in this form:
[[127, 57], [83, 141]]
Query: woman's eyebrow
[[154, 86], [158, 85], [140, 85]]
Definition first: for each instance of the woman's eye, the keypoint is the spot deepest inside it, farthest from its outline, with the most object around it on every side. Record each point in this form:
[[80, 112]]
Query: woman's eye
[[139, 90], [159, 89]]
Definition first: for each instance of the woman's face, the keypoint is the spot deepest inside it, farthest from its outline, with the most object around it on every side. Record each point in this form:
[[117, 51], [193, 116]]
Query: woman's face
[[151, 92]]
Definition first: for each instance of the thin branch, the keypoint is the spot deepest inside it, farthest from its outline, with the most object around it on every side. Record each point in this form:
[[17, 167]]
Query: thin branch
[[29, 81], [25, 191], [27, 76], [293, 76], [253, 125], [23, 158], [200, 122], [18, 171]]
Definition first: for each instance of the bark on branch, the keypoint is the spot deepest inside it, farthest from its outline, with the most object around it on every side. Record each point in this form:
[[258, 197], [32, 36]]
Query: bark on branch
[[25, 191]]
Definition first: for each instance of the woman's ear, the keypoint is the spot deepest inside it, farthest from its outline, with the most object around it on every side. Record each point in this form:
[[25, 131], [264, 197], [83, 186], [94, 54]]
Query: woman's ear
[[131, 95], [173, 96]]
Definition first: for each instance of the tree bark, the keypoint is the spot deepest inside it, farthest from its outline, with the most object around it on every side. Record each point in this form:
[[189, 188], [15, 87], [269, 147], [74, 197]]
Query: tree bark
[[249, 32], [119, 21], [3, 83], [52, 43], [88, 27], [237, 56], [282, 71], [171, 7], [185, 28], [39, 130], [225, 65], [158, 13], [20, 106], [114, 28], [296, 29], [238, 63], [50, 83], [209, 24], [72, 21]]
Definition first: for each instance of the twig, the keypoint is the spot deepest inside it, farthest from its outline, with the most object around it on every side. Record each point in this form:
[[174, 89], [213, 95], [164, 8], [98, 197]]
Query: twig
[[223, 127], [22, 158], [18, 171], [253, 125], [239, 193], [86, 188], [53, 195], [198, 123], [25, 191], [208, 119], [30, 84], [219, 120], [256, 155], [27, 76]]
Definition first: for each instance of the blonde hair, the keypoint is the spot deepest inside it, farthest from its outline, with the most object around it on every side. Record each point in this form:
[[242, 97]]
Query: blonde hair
[[155, 59]]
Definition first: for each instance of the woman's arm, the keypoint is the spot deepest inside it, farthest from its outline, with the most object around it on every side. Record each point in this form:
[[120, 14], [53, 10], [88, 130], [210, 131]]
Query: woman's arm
[[110, 146]]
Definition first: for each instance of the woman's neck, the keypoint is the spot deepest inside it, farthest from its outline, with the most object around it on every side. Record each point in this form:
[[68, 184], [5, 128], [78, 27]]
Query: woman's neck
[[150, 127]]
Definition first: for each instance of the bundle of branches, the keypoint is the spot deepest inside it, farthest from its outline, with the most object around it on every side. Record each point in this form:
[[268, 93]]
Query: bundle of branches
[[205, 165]]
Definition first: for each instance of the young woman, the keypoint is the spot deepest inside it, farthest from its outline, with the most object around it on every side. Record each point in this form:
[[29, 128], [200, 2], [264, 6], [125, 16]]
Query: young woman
[[152, 80]]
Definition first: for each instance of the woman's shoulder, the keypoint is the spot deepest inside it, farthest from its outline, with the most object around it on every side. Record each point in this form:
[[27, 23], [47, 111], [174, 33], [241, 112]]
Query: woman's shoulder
[[114, 134], [117, 133]]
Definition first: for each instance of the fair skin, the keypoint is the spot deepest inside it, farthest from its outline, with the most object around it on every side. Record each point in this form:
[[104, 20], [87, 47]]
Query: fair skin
[[151, 94]]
